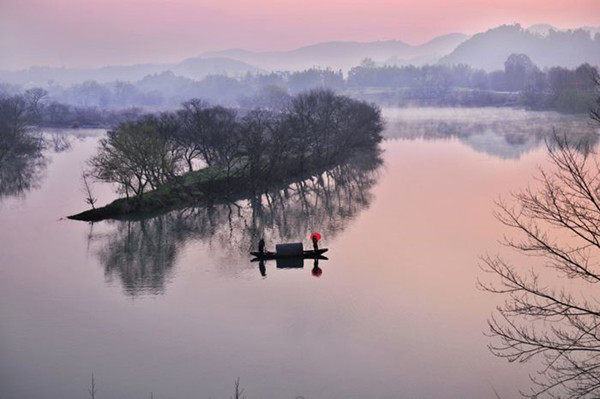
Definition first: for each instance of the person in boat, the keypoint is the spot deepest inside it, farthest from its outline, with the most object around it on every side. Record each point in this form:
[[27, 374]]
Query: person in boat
[[315, 241], [261, 246]]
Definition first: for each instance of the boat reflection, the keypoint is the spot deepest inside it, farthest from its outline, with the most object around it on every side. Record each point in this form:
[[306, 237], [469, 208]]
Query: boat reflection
[[141, 254], [292, 263]]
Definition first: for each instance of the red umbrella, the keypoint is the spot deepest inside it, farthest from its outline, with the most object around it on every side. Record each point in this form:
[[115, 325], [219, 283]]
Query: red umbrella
[[316, 236]]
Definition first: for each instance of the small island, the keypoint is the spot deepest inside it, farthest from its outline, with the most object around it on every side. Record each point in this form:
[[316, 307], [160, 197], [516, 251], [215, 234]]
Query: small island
[[202, 153]]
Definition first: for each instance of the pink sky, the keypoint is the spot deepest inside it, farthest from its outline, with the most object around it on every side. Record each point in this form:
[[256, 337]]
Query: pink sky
[[101, 32]]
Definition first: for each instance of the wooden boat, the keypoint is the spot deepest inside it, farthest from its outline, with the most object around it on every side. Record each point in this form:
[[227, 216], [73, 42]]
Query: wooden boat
[[312, 254]]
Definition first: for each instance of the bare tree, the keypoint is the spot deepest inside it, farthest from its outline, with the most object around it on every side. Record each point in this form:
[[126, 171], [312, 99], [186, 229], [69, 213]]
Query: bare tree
[[595, 111], [14, 121], [318, 130], [90, 199], [552, 311], [204, 130], [33, 97], [135, 156]]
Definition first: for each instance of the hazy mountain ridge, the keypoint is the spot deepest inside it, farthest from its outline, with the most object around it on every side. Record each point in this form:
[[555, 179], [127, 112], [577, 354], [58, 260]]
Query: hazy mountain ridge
[[488, 50], [194, 68], [541, 29], [544, 29], [237, 62], [344, 55], [543, 43]]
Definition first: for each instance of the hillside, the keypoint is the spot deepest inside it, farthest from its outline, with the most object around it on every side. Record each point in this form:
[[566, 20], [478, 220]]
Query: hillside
[[194, 68], [489, 50], [544, 29], [344, 55]]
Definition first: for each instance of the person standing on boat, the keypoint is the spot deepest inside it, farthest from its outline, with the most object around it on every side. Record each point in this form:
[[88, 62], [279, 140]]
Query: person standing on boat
[[261, 246], [315, 237]]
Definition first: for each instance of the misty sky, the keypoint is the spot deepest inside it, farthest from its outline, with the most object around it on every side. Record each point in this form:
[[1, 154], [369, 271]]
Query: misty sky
[[102, 32]]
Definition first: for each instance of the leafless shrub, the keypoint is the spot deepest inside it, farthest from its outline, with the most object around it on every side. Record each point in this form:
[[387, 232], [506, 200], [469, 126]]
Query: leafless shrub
[[238, 392], [92, 390], [90, 199]]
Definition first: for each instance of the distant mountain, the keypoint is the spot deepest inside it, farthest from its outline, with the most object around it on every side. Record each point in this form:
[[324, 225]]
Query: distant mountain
[[594, 30], [489, 50], [441, 45], [195, 68], [198, 68], [237, 62], [429, 52], [544, 44], [344, 55], [544, 29]]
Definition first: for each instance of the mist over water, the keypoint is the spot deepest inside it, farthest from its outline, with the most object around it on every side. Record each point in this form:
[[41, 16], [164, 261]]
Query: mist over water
[[500, 132], [172, 304], [431, 169]]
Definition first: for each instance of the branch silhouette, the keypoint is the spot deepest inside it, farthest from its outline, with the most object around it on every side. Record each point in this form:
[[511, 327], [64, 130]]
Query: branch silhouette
[[551, 310]]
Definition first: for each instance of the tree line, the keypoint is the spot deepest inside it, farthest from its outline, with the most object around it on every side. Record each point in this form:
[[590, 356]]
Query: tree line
[[558, 88], [36, 107], [314, 130], [520, 83]]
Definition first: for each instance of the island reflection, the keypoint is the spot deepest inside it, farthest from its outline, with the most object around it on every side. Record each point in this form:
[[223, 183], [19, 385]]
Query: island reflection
[[501, 133], [142, 254]]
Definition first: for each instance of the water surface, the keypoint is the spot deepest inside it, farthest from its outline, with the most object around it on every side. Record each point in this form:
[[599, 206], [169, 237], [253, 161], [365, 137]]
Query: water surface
[[172, 305]]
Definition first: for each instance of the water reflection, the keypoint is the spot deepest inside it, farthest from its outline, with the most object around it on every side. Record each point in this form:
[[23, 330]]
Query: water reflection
[[292, 263], [141, 253], [316, 270], [498, 133], [21, 163], [59, 141], [24, 159]]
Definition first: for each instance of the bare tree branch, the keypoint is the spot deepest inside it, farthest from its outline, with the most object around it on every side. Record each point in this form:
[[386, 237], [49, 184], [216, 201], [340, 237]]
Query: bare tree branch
[[550, 311]]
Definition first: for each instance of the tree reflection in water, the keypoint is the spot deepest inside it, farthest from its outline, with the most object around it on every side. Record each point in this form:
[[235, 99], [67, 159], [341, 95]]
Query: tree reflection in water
[[21, 172], [20, 149], [142, 253], [23, 160], [497, 133]]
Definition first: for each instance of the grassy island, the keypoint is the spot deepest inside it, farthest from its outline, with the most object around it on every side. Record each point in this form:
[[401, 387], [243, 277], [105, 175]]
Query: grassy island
[[204, 153]]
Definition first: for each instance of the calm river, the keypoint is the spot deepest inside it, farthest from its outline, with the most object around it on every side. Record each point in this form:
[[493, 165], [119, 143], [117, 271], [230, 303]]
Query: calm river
[[173, 306]]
